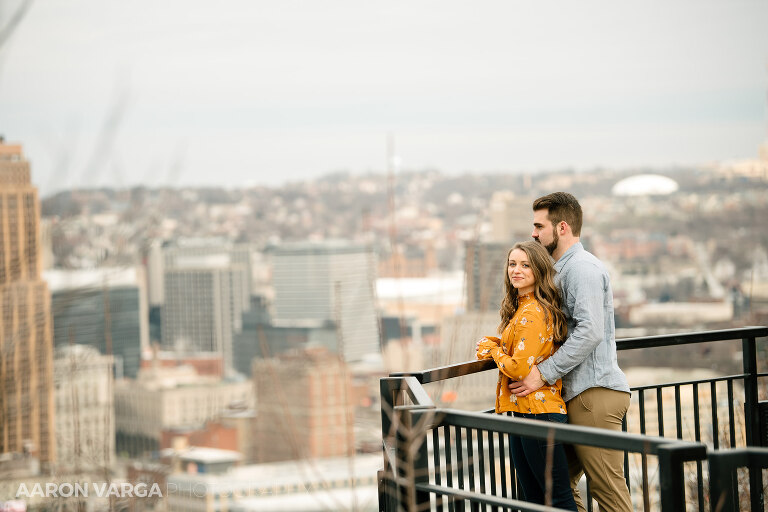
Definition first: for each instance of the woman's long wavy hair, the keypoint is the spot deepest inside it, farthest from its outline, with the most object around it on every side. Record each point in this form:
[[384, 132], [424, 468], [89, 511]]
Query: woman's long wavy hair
[[544, 289]]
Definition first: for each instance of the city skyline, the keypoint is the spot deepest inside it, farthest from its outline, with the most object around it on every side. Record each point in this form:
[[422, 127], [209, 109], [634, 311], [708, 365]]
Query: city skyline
[[254, 93]]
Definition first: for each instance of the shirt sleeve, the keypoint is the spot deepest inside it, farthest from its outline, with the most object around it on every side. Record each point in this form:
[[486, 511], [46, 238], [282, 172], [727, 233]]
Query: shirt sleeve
[[528, 346], [485, 347], [588, 290]]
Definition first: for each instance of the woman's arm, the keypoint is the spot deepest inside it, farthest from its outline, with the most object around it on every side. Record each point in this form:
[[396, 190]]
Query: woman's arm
[[484, 346], [531, 344]]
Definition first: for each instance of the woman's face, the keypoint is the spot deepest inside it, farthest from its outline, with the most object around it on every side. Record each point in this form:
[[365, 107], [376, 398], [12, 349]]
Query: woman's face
[[520, 272]]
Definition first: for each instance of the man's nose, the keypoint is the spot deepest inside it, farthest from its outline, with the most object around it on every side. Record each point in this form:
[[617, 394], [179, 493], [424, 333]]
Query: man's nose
[[535, 234]]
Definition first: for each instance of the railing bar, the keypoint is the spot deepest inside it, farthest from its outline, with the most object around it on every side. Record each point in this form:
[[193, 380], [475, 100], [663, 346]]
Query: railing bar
[[474, 366], [699, 484], [660, 411], [696, 425], [568, 434], [738, 376], [438, 466], [448, 463], [471, 464], [459, 464], [505, 503], [481, 457], [492, 456], [697, 437], [715, 425], [624, 427], [643, 455], [678, 413], [503, 465], [687, 338], [731, 418], [513, 483]]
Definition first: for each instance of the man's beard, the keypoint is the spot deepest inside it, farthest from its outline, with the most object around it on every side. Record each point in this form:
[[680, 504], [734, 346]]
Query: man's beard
[[551, 247]]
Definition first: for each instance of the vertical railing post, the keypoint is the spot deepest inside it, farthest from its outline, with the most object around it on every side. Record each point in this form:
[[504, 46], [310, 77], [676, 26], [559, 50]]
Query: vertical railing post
[[671, 479], [387, 394], [752, 420], [723, 492], [412, 459], [751, 416]]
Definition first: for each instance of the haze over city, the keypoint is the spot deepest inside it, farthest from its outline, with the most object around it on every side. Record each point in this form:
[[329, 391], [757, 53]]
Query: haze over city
[[228, 229], [241, 93]]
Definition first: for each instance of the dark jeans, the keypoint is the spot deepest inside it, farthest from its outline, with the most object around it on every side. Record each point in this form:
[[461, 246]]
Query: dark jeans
[[530, 458]]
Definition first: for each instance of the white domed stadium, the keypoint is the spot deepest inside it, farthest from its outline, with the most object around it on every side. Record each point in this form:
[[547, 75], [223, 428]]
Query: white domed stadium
[[645, 185]]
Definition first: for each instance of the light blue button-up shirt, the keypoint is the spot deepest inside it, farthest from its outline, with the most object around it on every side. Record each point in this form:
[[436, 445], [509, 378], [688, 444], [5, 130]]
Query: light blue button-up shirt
[[587, 359]]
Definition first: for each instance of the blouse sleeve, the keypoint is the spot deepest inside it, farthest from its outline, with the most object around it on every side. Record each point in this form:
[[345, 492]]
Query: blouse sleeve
[[484, 347], [528, 346]]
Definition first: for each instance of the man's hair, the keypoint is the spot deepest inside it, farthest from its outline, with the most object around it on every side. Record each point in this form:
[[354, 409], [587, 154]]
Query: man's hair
[[561, 206]]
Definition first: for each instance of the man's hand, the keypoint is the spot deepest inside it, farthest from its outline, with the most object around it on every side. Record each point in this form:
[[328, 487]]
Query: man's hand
[[529, 384]]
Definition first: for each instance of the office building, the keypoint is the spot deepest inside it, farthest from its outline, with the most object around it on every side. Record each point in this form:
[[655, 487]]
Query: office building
[[329, 283], [199, 289], [484, 265], [26, 348], [305, 406], [160, 257], [105, 308], [198, 312], [511, 217], [85, 409]]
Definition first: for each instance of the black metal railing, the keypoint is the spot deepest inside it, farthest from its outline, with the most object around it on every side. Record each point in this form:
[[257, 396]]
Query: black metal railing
[[437, 458]]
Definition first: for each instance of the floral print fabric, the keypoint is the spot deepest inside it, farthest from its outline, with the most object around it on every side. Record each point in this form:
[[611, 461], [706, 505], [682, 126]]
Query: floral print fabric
[[527, 340]]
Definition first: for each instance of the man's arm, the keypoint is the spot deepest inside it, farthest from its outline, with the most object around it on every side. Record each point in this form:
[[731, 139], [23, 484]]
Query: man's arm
[[588, 288]]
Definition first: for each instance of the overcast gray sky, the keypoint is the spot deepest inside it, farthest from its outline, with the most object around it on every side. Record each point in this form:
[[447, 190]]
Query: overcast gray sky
[[238, 92]]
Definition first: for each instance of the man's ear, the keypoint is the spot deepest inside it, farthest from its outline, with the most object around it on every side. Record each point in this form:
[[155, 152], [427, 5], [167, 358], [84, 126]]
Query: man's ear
[[563, 227]]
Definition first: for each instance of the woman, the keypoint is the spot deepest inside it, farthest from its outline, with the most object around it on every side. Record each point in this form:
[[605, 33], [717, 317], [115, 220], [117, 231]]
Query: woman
[[531, 327]]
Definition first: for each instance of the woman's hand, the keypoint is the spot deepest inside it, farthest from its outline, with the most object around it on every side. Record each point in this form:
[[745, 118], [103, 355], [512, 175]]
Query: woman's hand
[[485, 345]]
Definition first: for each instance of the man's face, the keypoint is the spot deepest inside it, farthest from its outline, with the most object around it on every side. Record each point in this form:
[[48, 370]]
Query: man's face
[[543, 230]]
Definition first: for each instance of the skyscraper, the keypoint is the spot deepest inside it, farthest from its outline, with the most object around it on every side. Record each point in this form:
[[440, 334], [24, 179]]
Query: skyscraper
[[105, 308], [484, 266], [26, 348], [198, 289], [198, 311], [329, 284]]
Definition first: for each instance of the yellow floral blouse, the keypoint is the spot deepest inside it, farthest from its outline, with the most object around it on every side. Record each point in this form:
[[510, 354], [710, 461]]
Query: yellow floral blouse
[[527, 340]]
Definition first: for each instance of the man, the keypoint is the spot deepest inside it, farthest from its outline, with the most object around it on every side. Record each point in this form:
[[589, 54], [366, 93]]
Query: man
[[594, 387]]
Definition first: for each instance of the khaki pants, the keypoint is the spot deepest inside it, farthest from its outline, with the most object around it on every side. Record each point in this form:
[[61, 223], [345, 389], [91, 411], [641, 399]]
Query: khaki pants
[[602, 408]]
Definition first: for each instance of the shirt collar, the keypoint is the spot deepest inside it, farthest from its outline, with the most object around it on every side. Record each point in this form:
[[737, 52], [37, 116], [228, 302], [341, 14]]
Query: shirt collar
[[577, 247]]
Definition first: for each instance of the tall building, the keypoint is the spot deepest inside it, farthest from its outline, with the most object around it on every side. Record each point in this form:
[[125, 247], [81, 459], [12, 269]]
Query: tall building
[[484, 265], [160, 257], [105, 308], [198, 292], [511, 217], [329, 283], [26, 348], [85, 409], [198, 312], [304, 406]]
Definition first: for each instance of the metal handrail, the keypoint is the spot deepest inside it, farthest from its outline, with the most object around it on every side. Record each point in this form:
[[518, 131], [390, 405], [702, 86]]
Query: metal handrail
[[476, 366]]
